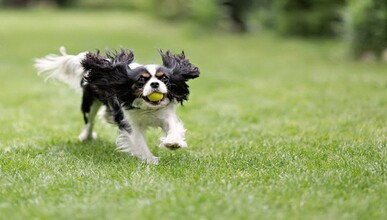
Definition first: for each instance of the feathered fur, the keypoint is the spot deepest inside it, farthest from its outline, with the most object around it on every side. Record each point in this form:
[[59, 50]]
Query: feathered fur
[[182, 70], [65, 68], [122, 87]]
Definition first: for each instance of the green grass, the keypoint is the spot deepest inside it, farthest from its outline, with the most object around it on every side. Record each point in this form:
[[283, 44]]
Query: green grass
[[277, 128]]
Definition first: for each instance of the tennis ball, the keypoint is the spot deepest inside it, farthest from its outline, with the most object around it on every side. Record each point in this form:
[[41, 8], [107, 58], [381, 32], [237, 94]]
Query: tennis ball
[[156, 96]]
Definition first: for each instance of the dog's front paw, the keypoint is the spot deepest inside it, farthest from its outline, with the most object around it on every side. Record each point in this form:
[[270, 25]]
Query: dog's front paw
[[172, 143], [86, 136], [152, 160]]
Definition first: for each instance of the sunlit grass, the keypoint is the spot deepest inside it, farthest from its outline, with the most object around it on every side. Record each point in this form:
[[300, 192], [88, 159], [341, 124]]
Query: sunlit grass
[[277, 128]]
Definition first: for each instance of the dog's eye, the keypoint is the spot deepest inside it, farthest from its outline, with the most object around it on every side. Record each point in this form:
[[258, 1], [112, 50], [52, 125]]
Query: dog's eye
[[141, 82], [164, 78], [143, 79]]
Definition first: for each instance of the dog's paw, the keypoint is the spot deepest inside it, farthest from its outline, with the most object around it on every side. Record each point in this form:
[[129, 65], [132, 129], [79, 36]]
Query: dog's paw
[[152, 160], [86, 136], [172, 143]]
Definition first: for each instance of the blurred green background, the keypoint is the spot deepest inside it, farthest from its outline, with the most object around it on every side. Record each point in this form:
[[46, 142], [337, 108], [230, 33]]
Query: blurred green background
[[286, 121], [361, 24]]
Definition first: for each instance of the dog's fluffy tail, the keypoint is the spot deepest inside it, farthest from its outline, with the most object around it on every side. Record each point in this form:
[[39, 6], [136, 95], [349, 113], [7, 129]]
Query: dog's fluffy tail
[[65, 68]]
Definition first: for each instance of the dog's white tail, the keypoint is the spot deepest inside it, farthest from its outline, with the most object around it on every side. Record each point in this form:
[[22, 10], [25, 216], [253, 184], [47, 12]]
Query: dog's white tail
[[65, 68]]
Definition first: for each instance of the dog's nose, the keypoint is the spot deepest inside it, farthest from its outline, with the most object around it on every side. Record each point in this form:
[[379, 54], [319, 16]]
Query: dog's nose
[[154, 85]]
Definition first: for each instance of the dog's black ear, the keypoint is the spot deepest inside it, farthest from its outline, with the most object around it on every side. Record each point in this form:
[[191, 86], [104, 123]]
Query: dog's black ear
[[121, 60], [108, 75], [180, 65], [113, 65], [182, 71], [95, 62]]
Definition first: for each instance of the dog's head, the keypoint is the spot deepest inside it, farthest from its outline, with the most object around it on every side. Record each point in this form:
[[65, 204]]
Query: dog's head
[[135, 85]]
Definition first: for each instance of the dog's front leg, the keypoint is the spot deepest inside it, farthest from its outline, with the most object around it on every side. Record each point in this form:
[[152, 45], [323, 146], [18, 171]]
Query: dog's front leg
[[131, 138], [174, 133], [135, 144]]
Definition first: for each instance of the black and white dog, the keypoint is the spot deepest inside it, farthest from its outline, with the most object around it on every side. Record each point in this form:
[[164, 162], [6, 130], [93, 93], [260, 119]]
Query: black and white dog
[[121, 89]]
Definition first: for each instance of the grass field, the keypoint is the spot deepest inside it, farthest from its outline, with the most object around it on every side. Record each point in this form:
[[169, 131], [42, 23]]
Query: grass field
[[277, 128]]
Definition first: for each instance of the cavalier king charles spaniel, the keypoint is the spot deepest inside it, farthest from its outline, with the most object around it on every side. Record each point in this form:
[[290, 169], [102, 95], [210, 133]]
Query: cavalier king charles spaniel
[[130, 95]]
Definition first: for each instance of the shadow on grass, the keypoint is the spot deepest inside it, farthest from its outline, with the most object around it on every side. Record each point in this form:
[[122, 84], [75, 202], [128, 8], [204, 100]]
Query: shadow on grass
[[102, 151], [98, 151]]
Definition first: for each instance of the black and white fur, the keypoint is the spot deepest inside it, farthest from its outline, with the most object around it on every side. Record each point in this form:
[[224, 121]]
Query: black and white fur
[[118, 87]]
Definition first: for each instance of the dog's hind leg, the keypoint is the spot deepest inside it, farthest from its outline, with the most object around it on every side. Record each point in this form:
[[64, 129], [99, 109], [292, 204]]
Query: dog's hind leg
[[90, 107]]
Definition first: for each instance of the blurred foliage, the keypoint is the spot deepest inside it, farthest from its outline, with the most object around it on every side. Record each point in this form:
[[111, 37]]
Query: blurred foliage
[[26, 3], [14, 3], [368, 27], [366, 21], [205, 12], [237, 11], [308, 17]]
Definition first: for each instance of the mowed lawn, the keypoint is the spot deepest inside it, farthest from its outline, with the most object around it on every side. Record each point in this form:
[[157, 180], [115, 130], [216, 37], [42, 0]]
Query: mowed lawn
[[278, 128]]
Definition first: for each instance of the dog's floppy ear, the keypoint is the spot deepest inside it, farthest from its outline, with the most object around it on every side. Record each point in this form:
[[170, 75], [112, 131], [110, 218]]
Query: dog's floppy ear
[[182, 71], [108, 74], [121, 60], [113, 65], [180, 65]]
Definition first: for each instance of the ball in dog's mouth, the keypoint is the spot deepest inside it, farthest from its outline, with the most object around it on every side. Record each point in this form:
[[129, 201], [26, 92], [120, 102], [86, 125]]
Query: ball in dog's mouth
[[155, 98]]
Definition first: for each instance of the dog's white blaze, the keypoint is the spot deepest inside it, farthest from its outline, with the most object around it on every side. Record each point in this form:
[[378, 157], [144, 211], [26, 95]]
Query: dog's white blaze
[[152, 68], [134, 65]]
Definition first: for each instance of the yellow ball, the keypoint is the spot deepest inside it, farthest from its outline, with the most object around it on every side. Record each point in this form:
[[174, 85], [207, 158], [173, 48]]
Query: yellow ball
[[156, 96]]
